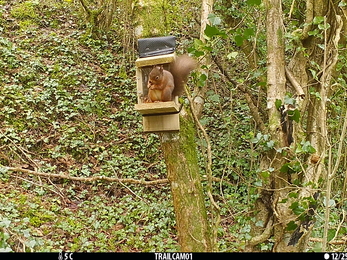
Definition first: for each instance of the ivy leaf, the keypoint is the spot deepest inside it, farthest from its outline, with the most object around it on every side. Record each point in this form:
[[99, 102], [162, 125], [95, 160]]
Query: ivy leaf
[[248, 32], [278, 103], [5, 222], [202, 79], [331, 234], [258, 183], [307, 147], [324, 26], [214, 98], [253, 2], [238, 40], [294, 115], [211, 31], [214, 19], [289, 100], [314, 32], [296, 208], [322, 46], [265, 174], [318, 19], [285, 168], [331, 203], [232, 55], [293, 195], [3, 169], [259, 223], [291, 226], [270, 144]]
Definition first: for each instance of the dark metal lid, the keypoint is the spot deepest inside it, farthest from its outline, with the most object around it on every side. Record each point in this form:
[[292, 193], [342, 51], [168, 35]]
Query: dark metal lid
[[156, 46]]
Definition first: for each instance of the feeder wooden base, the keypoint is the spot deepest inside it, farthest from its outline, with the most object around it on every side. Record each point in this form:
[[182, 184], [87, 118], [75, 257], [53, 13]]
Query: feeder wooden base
[[161, 123]]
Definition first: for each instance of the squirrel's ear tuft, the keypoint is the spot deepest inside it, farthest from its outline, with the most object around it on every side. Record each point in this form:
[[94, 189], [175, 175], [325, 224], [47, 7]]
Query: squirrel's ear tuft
[[158, 67]]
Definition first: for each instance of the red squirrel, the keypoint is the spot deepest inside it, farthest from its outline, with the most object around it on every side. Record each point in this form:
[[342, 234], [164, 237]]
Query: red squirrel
[[164, 85]]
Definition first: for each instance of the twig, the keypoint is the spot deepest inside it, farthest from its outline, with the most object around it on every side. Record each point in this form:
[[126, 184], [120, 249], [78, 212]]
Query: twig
[[38, 184], [291, 9], [263, 236], [126, 186], [339, 226], [308, 19], [23, 151], [85, 7], [300, 92], [342, 241], [86, 179], [209, 148]]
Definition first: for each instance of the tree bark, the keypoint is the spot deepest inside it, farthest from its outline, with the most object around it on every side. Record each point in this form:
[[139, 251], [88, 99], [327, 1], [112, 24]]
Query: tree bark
[[199, 93], [180, 154], [276, 90]]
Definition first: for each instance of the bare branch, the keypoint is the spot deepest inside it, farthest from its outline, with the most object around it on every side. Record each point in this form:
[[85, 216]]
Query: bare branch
[[99, 178], [87, 179], [263, 236], [342, 241], [300, 92]]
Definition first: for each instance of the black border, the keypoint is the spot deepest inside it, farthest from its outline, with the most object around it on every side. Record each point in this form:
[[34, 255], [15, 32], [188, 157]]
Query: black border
[[171, 256]]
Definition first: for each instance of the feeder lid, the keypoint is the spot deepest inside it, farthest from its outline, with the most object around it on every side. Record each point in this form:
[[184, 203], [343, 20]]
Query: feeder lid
[[149, 47]]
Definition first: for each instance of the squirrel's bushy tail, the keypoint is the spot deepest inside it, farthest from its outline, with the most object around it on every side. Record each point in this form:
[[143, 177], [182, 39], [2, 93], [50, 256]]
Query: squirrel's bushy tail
[[180, 70]]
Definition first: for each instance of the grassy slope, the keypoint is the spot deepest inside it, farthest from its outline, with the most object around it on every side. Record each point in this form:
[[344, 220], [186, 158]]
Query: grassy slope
[[66, 106]]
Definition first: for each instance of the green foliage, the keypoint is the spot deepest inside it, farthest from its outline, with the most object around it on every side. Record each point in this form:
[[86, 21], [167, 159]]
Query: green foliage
[[253, 2], [305, 147], [25, 10], [165, 16], [125, 224], [26, 13], [226, 118], [212, 31]]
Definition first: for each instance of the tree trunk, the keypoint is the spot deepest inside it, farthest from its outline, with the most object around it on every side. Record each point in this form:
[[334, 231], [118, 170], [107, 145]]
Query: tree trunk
[[276, 90], [180, 154], [99, 17], [181, 158]]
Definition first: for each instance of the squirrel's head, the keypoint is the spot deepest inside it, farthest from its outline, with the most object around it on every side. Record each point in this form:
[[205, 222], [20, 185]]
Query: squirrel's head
[[155, 74], [157, 69]]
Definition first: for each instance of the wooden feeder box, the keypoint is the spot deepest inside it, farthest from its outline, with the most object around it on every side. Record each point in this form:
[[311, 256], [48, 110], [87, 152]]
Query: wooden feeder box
[[158, 116]]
